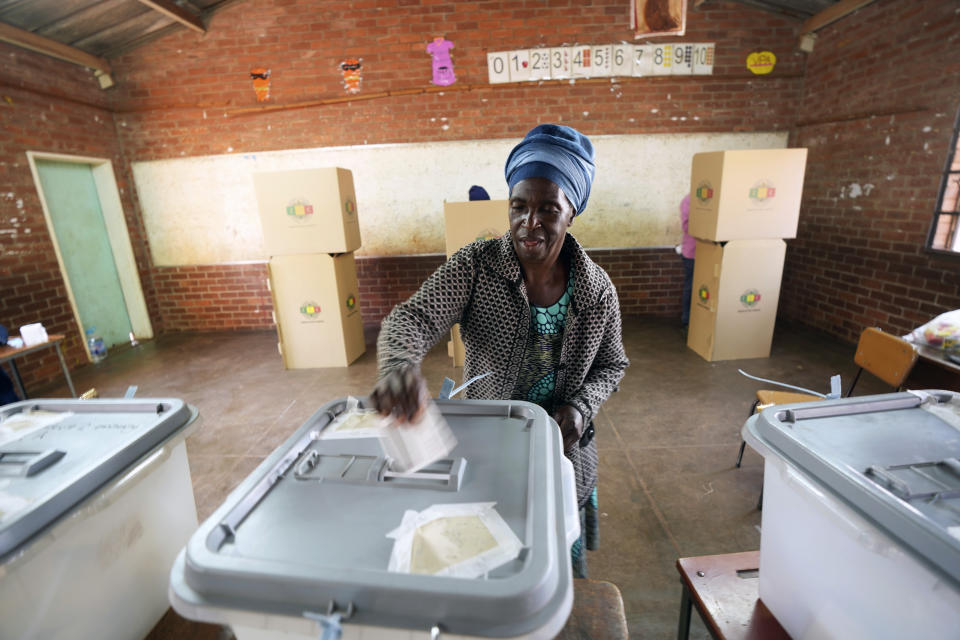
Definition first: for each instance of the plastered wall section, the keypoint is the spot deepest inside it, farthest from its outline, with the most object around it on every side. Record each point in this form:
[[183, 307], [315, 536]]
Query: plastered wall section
[[203, 210]]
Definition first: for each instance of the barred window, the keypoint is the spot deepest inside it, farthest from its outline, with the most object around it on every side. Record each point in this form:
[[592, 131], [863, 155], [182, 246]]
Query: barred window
[[945, 230]]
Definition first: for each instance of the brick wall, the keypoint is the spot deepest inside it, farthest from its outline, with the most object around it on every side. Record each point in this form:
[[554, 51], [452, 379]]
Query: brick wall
[[53, 107], [880, 96], [207, 298], [214, 297], [178, 95], [384, 282], [648, 280]]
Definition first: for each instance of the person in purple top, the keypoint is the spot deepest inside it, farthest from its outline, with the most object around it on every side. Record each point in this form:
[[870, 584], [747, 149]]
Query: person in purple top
[[688, 247]]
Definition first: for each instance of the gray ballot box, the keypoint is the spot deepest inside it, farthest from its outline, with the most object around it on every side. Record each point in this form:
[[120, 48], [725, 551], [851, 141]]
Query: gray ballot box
[[95, 503], [861, 515], [305, 535]]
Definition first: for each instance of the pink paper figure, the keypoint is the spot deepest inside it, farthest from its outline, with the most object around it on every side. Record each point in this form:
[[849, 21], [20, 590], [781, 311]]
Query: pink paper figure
[[442, 64]]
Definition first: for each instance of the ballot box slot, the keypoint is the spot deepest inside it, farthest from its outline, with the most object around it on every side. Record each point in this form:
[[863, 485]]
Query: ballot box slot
[[24, 464], [446, 475], [928, 481], [314, 465]]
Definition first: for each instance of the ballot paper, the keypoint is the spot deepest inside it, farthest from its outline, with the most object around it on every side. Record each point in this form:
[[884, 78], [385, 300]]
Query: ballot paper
[[17, 425], [409, 446], [413, 446], [354, 422], [455, 540]]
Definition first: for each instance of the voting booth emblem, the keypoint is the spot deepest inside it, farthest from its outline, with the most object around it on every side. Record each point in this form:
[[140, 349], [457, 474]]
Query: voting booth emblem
[[762, 191], [750, 298], [299, 209], [704, 192], [489, 234], [310, 310], [703, 293]]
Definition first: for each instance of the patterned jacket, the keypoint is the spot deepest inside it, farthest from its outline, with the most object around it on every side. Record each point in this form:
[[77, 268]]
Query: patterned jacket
[[481, 287]]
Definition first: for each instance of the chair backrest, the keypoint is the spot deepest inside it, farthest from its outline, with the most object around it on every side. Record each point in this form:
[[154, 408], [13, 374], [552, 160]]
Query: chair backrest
[[886, 356]]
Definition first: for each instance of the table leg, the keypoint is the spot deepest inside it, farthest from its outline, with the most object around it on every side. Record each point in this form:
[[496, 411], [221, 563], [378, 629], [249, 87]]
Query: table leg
[[66, 371], [683, 629], [18, 380]]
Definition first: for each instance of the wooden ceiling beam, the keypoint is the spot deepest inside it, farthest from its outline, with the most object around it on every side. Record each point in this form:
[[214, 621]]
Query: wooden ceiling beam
[[130, 45], [178, 13], [29, 40], [832, 14]]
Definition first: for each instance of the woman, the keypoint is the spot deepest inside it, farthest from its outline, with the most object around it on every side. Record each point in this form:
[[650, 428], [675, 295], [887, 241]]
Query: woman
[[534, 310]]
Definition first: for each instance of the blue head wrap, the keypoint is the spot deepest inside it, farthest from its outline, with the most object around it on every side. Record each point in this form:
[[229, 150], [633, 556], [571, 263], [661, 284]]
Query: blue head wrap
[[558, 153]]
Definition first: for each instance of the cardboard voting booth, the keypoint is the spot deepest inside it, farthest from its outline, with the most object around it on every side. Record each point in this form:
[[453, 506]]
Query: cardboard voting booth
[[736, 289], [316, 310], [737, 195], [466, 222], [742, 204], [307, 211]]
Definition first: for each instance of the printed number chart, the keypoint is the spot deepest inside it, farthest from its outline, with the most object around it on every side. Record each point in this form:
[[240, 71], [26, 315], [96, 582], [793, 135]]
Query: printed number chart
[[601, 61]]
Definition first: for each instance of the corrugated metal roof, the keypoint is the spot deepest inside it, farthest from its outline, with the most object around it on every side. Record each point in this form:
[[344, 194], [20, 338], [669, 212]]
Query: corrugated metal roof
[[797, 8], [106, 28]]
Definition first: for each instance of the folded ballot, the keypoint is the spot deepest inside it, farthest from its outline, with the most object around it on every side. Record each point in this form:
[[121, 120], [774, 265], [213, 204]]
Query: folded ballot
[[410, 446]]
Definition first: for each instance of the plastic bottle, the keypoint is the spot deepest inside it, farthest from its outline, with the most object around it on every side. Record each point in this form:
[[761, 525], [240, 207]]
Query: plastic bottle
[[98, 350]]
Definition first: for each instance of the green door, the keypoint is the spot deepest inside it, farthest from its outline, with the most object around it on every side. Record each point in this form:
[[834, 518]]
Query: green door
[[74, 207]]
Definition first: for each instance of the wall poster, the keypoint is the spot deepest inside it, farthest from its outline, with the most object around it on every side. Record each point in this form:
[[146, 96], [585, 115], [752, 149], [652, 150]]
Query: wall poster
[[658, 17]]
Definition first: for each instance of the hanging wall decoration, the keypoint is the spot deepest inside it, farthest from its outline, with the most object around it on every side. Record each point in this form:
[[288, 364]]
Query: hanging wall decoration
[[261, 83], [617, 60], [439, 49], [350, 69], [761, 62], [658, 17]]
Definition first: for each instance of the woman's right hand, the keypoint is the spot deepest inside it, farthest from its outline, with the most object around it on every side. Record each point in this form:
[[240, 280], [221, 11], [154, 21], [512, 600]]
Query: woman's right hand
[[402, 394]]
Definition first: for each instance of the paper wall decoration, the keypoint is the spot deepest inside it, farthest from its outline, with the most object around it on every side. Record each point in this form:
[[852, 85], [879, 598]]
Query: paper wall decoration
[[761, 62], [658, 17], [350, 69], [261, 83], [439, 50], [601, 61]]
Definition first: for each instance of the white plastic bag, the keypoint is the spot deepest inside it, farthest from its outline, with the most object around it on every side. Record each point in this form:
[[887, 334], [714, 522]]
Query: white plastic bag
[[456, 540], [943, 332], [33, 334]]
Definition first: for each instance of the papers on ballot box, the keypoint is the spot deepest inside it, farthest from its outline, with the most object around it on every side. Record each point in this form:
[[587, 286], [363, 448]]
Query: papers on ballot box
[[409, 446]]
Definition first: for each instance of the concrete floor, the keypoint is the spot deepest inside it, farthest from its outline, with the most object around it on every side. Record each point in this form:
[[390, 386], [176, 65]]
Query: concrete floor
[[668, 441]]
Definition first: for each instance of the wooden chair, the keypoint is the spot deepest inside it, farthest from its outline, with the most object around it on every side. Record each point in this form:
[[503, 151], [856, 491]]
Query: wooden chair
[[884, 355]]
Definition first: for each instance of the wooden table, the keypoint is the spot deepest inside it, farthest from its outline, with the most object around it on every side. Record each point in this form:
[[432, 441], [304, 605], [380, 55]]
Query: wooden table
[[597, 613], [933, 371], [8, 353], [725, 589]]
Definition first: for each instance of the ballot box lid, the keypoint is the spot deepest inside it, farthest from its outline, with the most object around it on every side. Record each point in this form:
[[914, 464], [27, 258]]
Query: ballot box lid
[[307, 530], [894, 458], [54, 453]]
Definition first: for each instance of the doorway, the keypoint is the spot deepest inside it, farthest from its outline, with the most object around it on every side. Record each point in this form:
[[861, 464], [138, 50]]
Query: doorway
[[82, 208]]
